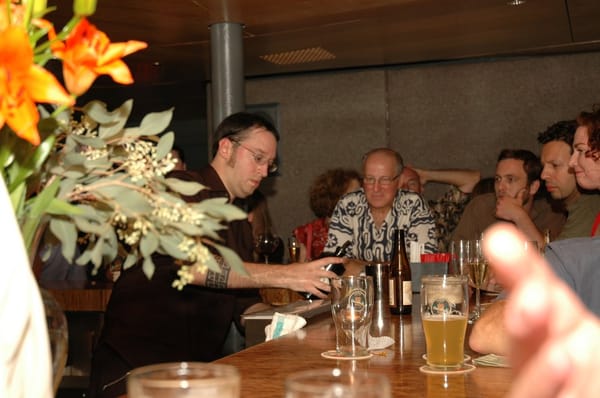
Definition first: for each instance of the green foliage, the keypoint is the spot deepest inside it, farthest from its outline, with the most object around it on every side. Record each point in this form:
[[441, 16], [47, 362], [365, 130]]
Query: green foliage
[[94, 178]]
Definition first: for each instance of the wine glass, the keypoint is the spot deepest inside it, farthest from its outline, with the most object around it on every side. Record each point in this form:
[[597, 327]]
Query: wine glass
[[294, 249], [478, 274], [266, 244]]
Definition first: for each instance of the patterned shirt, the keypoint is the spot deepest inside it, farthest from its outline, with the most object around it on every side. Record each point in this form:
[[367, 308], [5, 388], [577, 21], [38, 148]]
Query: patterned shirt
[[352, 221], [447, 211]]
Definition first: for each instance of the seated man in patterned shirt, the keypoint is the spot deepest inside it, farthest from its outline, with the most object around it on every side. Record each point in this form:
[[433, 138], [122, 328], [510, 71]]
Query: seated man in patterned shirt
[[367, 217], [448, 208]]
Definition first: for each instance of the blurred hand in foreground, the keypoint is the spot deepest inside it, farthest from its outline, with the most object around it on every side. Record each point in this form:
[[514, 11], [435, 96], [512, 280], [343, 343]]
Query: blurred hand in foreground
[[553, 339]]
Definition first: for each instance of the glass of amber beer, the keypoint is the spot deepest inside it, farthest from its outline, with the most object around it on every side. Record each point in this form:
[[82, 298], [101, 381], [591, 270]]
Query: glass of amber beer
[[444, 313]]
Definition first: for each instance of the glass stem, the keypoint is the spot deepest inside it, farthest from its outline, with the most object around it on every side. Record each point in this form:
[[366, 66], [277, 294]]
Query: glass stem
[[477, 303]]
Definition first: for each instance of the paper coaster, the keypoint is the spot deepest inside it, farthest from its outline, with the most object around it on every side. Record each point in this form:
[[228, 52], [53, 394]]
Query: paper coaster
[[466, 359], [465, 368], [333, 354]]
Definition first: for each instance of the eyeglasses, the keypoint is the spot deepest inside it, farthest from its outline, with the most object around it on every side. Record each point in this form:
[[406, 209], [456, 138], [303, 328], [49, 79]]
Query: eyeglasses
[[383, 181], [259, 158]]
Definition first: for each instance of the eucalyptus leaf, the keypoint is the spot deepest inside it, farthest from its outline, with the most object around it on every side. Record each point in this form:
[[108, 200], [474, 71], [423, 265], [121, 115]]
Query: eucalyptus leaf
[[96, 257], [93, 142], [212, 264], [148, 267], [186, 188], [188, 229], [134, 202], [97, 111], [89, 227], [165, 144], [148, 244], [130, 261], [85, 258], [171, 245], [66, 232], [74, 159], [218, 208], [232, 259], [156, 122]]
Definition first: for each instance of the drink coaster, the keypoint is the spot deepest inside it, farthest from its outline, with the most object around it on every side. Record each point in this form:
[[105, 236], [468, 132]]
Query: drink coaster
[[466, 359], [465, 368], [333, 354]]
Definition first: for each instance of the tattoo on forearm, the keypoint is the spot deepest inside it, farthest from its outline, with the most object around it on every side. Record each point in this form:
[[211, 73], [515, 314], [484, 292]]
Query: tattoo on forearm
[[218, 280]]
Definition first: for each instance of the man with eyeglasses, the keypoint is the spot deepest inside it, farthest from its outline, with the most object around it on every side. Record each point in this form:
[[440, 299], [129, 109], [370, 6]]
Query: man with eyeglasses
[[148, 321], [368, 217]]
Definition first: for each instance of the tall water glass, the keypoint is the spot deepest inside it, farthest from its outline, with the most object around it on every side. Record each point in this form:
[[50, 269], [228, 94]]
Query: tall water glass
[[352, 311], [184, 379], [459, 257], [337, 383]]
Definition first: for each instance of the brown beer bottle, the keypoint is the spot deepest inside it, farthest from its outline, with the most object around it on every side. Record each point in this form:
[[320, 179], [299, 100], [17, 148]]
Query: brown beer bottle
[[400, 277]]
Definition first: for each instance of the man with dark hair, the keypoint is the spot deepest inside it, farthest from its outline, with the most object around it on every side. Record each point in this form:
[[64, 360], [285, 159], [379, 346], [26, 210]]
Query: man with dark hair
[[561, 184], [516, 182], [149, 321]]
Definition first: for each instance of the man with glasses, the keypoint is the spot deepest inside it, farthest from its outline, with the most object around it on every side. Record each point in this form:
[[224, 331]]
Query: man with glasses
[[517, 181], [148, 321], [367, 217]]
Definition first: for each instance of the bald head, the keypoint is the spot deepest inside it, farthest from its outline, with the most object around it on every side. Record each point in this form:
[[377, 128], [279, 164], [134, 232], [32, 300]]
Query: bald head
[[383, 155], [410, 181]]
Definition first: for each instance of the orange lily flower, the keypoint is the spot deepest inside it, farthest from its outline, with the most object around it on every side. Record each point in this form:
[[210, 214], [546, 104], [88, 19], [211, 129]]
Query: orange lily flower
[[88, 53], [22, 84]]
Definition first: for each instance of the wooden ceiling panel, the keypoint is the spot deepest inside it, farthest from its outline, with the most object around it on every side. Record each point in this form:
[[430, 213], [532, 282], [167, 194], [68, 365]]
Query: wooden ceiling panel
[[357, 32], [585, 15]]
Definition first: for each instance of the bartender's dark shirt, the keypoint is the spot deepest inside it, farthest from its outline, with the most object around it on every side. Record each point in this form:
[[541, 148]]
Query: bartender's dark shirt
[[148, 321]]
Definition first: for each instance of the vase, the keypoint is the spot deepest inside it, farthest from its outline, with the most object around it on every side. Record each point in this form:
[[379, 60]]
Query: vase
[[58, 334]]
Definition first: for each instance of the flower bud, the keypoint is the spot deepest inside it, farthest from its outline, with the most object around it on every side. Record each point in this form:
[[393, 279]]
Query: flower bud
[[39, 6], [84, 8]]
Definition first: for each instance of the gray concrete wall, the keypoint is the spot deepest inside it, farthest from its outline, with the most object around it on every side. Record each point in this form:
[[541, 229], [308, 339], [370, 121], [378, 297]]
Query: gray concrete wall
[[436, 115]]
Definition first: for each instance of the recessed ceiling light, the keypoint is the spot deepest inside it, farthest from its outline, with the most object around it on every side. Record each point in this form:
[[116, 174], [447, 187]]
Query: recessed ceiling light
[[303, 56], [516, 2]]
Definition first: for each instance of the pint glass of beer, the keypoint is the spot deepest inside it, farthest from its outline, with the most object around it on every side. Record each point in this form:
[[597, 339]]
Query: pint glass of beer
[[444, 313]]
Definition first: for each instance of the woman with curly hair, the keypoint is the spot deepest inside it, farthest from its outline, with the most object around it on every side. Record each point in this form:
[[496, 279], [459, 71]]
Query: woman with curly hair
[[324, 193], [585, 160]]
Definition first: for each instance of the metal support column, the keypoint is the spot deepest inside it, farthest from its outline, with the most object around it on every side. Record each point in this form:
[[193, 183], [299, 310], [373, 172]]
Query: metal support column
[[227, 71]]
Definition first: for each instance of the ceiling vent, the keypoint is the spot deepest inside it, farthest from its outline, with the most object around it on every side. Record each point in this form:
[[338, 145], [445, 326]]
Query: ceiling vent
[[304, 56]]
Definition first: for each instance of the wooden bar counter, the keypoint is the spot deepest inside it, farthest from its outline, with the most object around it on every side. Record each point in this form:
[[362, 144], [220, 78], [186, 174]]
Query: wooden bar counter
[[265, 366]]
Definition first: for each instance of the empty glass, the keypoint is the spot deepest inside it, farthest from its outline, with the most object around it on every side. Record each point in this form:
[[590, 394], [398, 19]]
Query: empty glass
[[352, 310], [336, 383], [184, 379]]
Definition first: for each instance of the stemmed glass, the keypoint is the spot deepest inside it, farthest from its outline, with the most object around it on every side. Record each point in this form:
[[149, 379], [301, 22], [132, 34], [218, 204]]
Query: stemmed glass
[[294, 249], [478, 274], [266, 244]]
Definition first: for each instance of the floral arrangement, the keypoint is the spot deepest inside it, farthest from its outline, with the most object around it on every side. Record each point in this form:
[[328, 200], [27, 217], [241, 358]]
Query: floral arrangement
[[81, 171]]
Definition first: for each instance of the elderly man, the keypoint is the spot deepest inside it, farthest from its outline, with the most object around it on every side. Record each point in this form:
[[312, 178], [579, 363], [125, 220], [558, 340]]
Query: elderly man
[[581, 206], [517, 180], [367, 217], [148, 321]]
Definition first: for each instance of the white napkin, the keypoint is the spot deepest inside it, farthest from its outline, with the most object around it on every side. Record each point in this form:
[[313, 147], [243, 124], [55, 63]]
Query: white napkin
[[283, 324], [492, 360], [381, 342]]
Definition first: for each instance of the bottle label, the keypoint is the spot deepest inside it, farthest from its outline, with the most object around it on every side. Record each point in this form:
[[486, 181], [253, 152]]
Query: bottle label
[[392, 293], [406, 293]]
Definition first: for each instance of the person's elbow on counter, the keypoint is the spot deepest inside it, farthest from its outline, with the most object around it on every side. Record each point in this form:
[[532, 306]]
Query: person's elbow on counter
[[488, 335]]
